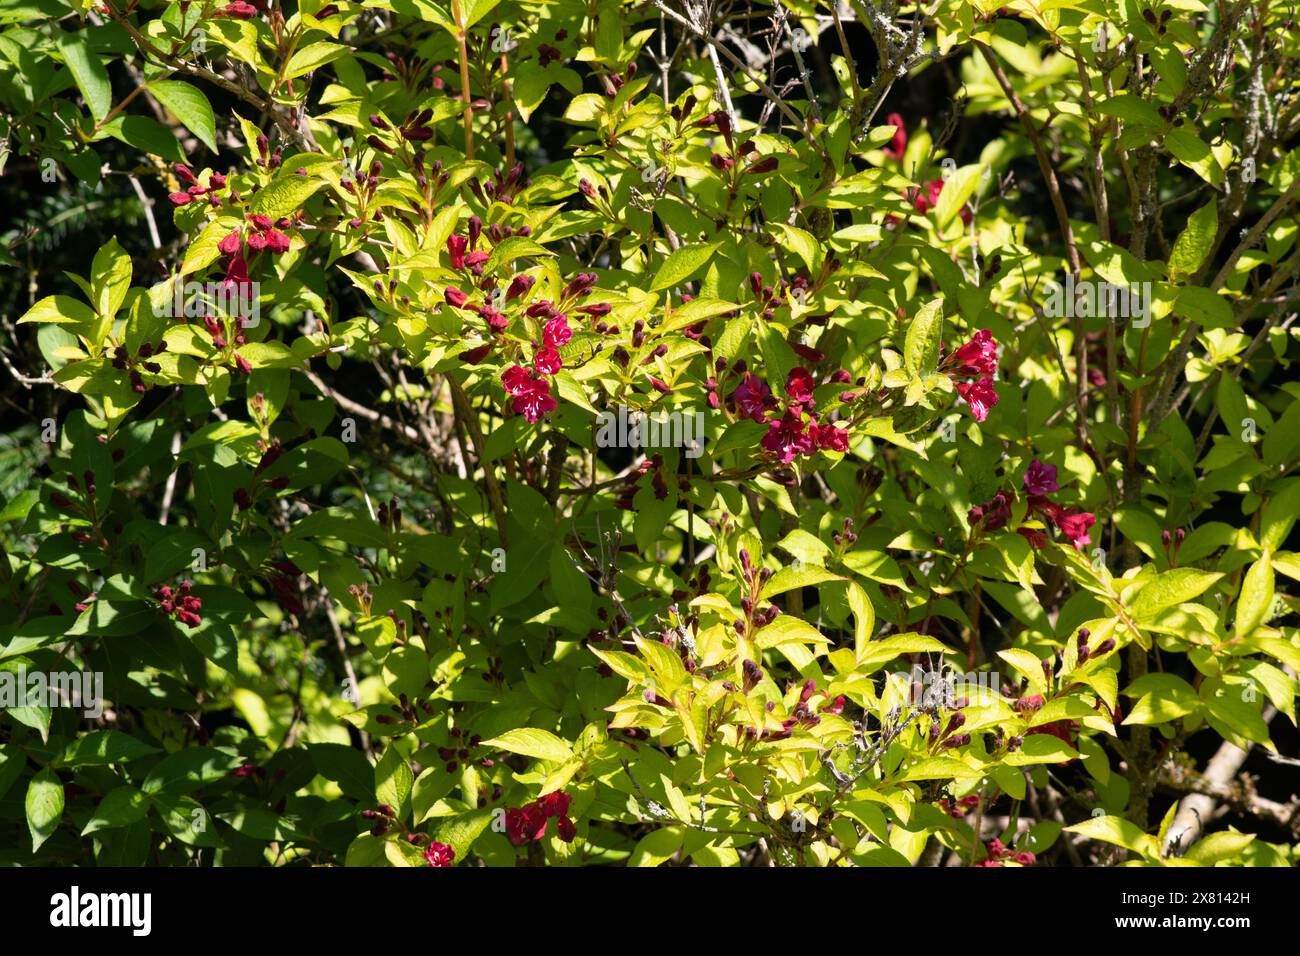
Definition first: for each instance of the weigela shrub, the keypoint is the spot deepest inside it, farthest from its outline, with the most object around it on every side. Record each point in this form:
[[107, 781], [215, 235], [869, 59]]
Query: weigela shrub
[[588, 433]]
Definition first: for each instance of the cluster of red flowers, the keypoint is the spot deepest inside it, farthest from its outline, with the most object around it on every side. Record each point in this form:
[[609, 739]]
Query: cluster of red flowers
[[1039, 482], [528, 823], [195, 189], [999, 853], [178, 602], [977, 359], [794, 431], [529, 387]]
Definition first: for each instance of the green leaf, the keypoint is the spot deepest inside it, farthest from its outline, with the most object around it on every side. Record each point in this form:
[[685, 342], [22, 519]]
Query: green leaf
[[921, 350], [286, 193], [122, 807], [394, 780], [110, 278], [1256, 599], [105, 747], [656, 847], [1170, 588], [681, 265], [1118, 831], [313, 57], [190, 106], [460, 832], [864, 619], [44, 806], [88, 71], [532, 742], [1218, 847], [1279, 514], [1194, 242]]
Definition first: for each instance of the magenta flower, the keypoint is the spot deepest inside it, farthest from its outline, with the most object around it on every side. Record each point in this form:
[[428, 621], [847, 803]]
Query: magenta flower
[[532, 396], [456, 246], [439, 854], [753, 396], [977, 357], [980, 396], [556, 333], [547, 361], [1040, 479], [788, 437], [1075, 525], [799, 386]]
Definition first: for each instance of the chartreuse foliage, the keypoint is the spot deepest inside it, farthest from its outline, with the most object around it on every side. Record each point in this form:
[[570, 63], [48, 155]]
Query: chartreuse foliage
[[365, 586]]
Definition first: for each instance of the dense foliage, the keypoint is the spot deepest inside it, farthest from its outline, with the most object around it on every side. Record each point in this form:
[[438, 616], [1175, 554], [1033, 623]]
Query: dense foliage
[[735, 433]]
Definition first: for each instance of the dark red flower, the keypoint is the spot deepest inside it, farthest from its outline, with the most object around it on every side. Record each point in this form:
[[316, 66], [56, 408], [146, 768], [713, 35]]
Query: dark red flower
[[830, 438], [525, 824], [799, 386], [753, 397], [1074, 525], [788, 437], [180, 199], [454, 297], [555, 804]]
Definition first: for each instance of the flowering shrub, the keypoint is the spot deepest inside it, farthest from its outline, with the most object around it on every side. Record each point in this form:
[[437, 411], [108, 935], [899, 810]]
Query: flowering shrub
[[981, 552]]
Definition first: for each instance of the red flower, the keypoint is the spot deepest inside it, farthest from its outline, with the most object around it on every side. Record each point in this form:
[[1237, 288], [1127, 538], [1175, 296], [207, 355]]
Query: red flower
[[753, 396], [239, 10], [519, 286], [799, 386], [439, 854], [977, 357], [1075, 525], [830, 438], [980, 396], [525, 824], [567, 831], [556, 333], [1040, 479], [555, 804], [788, 437], [456, 246], [230, 245], [277, 241], [260, 223], [455, 298], [995, 512], [547, 361], [532, 396], [899, 143], [180, 199]]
